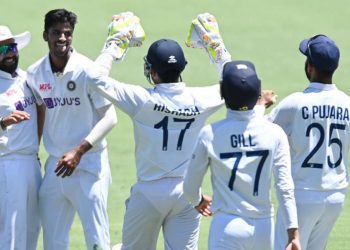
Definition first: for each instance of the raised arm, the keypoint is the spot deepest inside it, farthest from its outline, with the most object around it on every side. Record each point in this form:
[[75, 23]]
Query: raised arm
[[124, 31], [204, 34]]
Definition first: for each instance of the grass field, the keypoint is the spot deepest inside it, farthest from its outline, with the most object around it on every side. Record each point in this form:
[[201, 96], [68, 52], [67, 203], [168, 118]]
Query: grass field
[[265, 32]]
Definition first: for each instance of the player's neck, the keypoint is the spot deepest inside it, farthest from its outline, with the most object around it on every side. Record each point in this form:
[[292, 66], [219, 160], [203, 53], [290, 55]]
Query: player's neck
[[324, 80], [58, 63]]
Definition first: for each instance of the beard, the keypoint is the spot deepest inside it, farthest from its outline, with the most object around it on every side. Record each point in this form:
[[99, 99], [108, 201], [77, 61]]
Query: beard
[[9, 66]]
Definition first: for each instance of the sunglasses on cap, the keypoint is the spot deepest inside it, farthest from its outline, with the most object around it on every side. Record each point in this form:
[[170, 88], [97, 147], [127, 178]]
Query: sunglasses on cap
[[6, 48], [309, 44]]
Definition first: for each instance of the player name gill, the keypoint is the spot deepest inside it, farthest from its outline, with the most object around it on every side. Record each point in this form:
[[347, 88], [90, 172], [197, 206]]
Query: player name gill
[[192, 111], [325, 111], [241, 140]]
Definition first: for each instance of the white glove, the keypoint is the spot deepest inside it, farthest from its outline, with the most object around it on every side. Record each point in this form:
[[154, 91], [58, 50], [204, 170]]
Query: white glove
[[124, 31], [204, 33]]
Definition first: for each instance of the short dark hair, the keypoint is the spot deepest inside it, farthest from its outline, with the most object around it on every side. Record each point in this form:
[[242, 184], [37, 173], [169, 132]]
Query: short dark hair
[[59, 16], [322, 73], [170, 76]]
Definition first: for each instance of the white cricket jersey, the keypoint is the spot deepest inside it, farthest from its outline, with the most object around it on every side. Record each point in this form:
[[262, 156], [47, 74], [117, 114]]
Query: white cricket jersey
[[243, 151], [21, 138], [166, 119], [317, 124], [71, 105]]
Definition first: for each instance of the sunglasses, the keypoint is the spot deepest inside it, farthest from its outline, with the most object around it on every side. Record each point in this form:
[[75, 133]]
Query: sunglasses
[[309, 45], [6, 48]]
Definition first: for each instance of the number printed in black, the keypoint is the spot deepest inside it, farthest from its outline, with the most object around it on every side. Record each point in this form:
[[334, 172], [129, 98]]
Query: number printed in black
[[263, 154], [163, 124], [332, 141]]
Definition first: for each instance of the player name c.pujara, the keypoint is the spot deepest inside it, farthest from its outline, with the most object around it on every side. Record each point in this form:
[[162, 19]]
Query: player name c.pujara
[[193, 111], [325, 111]]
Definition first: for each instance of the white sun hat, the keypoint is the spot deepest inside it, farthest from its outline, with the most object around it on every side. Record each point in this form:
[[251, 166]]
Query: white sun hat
[[22, 39]]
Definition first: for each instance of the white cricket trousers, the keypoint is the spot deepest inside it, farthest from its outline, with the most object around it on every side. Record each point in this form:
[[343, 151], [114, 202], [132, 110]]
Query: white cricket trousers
[[232, 232], [20, 181], [160, 204], [60, 198], [317, 214]]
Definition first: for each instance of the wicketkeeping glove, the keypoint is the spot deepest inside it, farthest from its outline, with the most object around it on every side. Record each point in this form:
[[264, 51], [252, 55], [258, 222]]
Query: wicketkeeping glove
[[204, 33], [124, 31]]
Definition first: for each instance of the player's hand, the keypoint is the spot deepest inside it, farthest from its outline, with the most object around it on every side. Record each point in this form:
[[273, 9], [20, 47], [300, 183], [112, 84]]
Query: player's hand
[[204, 33], [293, 239], [293, 245], [124, 31], [267, 98], [15, 117], [204, 206], [68, 163]]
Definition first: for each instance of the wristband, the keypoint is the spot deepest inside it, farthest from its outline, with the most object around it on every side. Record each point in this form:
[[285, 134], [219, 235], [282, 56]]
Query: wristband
[[3, 126]]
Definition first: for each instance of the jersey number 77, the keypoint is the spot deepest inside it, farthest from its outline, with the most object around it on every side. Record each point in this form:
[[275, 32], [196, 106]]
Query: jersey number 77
[[238, 155]]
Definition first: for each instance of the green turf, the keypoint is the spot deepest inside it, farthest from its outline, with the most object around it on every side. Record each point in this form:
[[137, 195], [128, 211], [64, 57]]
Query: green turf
[[266, 32]]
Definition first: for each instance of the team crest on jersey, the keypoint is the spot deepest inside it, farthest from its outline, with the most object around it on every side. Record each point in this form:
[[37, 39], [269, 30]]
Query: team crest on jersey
[[71, 85]]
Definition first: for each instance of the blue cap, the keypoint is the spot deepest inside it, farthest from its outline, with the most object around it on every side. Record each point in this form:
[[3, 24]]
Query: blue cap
[[240, 86], [165, 55], [322, 52]]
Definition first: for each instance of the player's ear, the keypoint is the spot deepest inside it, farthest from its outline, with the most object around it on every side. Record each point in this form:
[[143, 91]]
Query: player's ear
[[45, 36], [155, 77]]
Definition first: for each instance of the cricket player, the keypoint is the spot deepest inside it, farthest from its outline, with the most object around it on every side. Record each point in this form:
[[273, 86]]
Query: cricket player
[[167, 119], [243, 150], [20, 176], [316, 121], [76, 122]]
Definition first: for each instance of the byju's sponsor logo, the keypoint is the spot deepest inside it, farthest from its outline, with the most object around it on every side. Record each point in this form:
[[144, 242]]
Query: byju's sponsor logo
[[23, 104], [61, 101]]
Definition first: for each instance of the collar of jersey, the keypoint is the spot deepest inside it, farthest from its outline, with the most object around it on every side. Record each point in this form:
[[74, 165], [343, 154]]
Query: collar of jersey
[[70, 64], [6, 75], [322, 86], [177, 87], [240, 115]]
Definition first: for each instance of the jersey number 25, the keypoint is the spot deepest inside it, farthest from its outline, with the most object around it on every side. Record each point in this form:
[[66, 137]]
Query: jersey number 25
[[332, 141]]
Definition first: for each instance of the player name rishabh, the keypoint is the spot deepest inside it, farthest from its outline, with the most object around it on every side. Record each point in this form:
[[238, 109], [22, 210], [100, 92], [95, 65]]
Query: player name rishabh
[[193, 111]]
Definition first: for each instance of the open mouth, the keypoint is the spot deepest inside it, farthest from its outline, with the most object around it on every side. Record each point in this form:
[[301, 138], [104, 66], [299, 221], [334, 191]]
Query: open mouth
[[61, 47], [9, 60]]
